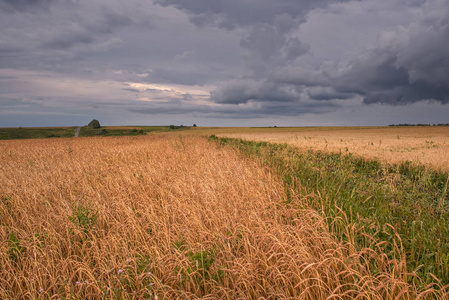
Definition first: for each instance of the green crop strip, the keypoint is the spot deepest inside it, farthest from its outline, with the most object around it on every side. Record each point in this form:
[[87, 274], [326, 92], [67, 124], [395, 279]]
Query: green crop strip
[[397, 209]]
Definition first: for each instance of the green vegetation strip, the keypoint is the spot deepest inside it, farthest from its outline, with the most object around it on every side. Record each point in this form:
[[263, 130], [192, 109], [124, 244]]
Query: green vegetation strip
[[36, 133], [87, 131], [401, 210]]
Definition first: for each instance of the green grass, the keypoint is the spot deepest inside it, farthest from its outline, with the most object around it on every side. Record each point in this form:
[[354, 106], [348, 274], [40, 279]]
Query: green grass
[[395, 209], [36, 133], [53, 132], [123, 131], [106, 131]]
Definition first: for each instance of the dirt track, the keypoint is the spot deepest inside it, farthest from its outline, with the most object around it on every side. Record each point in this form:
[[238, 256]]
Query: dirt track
[[77, 132]]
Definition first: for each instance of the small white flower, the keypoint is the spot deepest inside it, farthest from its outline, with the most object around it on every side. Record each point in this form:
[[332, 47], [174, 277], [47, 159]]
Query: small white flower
[[77, 283], [41, 290], [120, 271], [86, 282]]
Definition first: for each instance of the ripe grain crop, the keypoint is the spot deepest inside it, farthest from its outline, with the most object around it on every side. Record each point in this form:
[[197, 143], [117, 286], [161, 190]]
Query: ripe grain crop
[[427, 145], [167, 217]]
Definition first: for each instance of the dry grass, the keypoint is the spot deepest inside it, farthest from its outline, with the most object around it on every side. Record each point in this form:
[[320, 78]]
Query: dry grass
[[425, 145], [167, 216]]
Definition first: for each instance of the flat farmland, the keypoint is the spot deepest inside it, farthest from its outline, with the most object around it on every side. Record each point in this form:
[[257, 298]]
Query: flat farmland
[[177, 216], [428, 145]]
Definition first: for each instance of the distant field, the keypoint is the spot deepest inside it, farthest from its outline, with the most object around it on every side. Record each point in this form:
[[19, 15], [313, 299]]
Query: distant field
[[425, 145]]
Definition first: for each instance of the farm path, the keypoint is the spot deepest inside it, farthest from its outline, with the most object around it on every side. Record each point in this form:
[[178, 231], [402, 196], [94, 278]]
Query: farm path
[[77, 132]]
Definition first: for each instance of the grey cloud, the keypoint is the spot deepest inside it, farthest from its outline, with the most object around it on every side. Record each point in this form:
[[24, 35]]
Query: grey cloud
[[66, 30], [263, 41], [300, 76], [11, 102], [188, 76], [131, 90], [327, 93], [234, 112], [408, 65], [266, 28], [232, 14], [248, 90], [19, 5]]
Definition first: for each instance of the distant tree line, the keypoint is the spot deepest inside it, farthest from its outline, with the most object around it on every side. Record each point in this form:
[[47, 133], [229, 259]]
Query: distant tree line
[[181, 126], [419, 124]]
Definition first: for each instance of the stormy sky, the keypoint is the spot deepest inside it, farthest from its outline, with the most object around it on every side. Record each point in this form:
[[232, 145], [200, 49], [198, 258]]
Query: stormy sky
[[224, 62]]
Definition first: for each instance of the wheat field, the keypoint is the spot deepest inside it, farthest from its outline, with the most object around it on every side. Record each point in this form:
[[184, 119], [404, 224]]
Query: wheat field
[[424, 145], [170, 217]]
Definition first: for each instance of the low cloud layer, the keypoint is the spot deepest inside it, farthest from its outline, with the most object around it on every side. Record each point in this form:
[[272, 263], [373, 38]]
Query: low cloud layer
[[227, 60]]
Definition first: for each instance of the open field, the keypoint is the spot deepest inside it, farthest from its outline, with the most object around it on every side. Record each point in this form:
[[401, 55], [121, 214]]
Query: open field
[[174, 216], [425, 145]]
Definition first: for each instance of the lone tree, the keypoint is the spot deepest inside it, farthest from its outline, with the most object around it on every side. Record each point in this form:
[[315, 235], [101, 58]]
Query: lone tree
[[94, 124]]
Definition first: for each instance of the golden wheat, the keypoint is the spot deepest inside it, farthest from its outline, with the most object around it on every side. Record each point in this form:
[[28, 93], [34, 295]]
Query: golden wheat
[[424, 145], [124, 217]]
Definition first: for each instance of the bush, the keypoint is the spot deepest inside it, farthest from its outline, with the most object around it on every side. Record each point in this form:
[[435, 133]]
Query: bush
[[94, 124]]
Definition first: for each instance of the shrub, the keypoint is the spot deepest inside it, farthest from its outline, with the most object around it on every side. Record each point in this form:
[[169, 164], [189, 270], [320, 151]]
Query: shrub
[[94, 124]]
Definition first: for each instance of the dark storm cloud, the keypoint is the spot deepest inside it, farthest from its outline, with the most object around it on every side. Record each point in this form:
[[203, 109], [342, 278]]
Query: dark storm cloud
[[327, 93], [408, 65], [267, 24], [230, 14], [246, 90], [266, 35]]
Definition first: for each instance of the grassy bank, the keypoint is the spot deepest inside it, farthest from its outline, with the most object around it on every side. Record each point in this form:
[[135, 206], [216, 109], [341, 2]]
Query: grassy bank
[[400, 210]]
